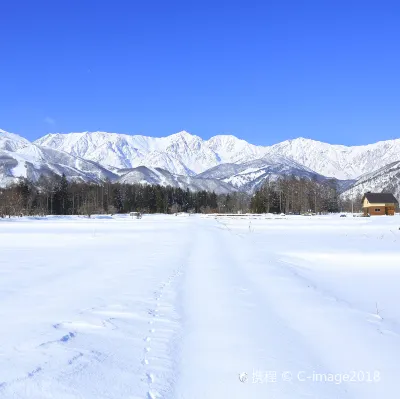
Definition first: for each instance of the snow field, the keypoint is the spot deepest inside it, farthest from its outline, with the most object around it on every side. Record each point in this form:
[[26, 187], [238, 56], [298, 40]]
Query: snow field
[[179, 307]]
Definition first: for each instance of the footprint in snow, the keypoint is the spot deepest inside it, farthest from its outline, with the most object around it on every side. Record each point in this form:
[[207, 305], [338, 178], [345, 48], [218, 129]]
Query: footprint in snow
[[67, 337], [150, 377], [32, 373]]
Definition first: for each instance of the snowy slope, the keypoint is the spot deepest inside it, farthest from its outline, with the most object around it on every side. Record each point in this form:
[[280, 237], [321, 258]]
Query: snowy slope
[[14, 165], [180, 153], [11, 141], [386, 179], [339, 161], [230, 149], [186, 154], [162, 177], [251, 175], [20, 158]]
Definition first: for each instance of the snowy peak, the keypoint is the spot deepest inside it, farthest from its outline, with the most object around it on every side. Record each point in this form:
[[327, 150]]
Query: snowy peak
[[20, 158], [11, 141], [184, 135], [226, 142], [231, 149], [108, 149], [339, 161], [180, 153]]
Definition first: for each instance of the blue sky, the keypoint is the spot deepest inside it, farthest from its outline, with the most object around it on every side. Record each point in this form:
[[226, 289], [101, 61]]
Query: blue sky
[[265, 71]]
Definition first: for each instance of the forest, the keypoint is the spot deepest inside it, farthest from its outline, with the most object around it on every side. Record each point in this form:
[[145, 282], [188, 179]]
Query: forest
[[290, 194], [58, 196]]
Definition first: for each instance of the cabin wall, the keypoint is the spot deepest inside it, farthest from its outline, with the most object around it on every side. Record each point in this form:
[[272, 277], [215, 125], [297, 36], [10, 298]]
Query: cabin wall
[[379, 209], [390, 210]]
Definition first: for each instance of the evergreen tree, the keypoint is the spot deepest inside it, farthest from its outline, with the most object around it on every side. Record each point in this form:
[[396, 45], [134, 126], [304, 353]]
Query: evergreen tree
[[117, 199], [61, 200]]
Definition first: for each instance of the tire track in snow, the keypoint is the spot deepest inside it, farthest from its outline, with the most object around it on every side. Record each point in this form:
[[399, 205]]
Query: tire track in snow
[[325, 323], [230, 328]]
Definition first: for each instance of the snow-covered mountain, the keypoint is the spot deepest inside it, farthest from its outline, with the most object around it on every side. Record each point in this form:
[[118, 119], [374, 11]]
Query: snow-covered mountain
[[186, 154], [250, 175], [180, 153], [386, 179], [162, 177], [94, 156], [230, 149], [339, 161], [20, 158], [12, 142]]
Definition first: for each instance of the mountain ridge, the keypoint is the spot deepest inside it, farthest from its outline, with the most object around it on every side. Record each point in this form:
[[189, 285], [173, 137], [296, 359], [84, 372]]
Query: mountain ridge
[[90, 156], [184, 153]]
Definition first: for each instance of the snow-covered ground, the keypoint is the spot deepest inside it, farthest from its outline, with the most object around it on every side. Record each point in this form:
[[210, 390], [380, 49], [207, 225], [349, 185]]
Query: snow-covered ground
[[181, 307]]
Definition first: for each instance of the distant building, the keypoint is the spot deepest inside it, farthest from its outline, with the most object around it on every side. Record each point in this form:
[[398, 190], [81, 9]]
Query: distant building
[[379, 204]]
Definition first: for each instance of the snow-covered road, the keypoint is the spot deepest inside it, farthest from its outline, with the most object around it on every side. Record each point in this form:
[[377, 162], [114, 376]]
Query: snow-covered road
[[179, 307]]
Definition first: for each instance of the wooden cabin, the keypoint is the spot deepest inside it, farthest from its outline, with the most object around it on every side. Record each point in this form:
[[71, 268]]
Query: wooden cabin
[[379, 204]]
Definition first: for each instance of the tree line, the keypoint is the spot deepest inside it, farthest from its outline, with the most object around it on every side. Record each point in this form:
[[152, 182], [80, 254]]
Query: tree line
[[58, 196], [289, 194]]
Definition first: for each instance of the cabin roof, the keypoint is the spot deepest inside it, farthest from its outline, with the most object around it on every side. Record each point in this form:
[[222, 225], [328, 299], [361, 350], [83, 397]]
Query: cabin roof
[[378, 198]]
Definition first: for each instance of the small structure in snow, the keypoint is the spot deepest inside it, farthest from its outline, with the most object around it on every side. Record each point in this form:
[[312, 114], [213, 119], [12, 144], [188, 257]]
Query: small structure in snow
[[136, 215], [379, 204]]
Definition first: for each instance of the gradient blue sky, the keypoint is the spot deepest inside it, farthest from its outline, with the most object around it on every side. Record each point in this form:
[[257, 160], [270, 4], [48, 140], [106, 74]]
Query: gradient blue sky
[[264, 71]]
